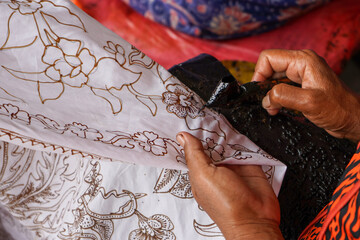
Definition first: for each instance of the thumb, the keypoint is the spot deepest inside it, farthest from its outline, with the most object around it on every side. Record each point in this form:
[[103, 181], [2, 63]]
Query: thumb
[[284, 95], [195, 156]]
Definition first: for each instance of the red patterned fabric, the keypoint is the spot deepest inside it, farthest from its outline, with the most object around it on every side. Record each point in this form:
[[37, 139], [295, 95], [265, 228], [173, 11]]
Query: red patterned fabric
[[340, 219], [332, 31]]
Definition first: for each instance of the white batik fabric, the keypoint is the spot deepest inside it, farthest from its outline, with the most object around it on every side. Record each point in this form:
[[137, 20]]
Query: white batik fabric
[[88, 128]]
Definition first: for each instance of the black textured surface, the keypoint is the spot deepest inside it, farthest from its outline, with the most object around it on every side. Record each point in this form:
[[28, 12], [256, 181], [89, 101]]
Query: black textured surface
[[315, 159]]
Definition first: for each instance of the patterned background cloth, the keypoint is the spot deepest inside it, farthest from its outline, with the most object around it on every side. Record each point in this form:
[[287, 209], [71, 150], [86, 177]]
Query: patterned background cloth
[[330, 30], [219, 19]]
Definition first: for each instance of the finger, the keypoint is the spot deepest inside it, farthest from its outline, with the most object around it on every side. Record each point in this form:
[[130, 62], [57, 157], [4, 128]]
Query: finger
[[195, 156], [292, 63], [272, 108], [284, 95]]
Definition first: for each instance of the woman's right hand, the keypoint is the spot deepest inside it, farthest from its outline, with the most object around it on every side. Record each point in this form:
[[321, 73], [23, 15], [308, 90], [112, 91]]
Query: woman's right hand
[[323, 98]]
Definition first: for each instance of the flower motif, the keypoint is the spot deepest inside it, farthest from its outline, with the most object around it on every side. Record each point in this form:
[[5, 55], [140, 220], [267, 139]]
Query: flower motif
[[157, 227], [214, 150], [151, 142], [229, 21], [83, 131], [14, 113], [26, 6], [117, 50], [181, 102], [68, 62]]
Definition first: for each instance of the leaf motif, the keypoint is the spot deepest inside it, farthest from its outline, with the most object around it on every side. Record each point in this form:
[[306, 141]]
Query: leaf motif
[[121, 141], [182, 188], [49, 123], [4, 94], [64, 16], [114, 101], [50, 91], [139, 195], [166, 180], [149, 103], [9, 37], [165, 221], [40, 198], [29, 76], [153, 223], [44, 183]]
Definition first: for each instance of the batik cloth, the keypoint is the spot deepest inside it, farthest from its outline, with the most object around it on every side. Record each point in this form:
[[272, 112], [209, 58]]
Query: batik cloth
[[218, 19], [340, 219], [88, 128]]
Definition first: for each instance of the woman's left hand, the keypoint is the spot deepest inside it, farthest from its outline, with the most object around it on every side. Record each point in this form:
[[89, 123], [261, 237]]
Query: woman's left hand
[[238, 198]]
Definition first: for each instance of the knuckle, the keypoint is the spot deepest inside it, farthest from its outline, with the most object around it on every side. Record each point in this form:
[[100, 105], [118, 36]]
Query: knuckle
[[309, 52], [268, 53], [261, 59], [276, 92], [264, 53], [311, 56]]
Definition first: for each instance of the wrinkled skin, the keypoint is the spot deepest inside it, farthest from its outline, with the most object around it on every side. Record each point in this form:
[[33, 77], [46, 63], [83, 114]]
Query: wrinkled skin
[[323, 98], [238, 198]]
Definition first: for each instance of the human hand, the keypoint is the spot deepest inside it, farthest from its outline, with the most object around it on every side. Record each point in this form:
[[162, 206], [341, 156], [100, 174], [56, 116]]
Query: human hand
[[238, 198], [322, 98]]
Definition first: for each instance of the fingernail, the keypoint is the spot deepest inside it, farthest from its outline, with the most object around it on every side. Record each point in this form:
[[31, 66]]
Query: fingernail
[[180, 139], [266, 102]]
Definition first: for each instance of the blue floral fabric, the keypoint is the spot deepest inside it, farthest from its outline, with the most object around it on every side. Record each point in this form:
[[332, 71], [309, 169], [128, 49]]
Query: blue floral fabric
[[222, 19]]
